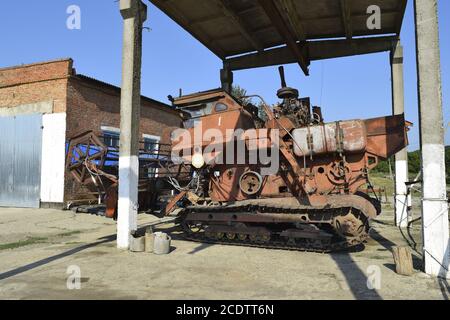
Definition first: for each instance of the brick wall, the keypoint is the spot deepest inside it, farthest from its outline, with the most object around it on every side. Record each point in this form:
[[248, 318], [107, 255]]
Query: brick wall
[[34, 83], [92, 104]]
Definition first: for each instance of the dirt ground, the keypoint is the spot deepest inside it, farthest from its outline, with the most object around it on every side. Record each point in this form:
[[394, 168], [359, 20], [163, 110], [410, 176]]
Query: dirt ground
[[37, 246]]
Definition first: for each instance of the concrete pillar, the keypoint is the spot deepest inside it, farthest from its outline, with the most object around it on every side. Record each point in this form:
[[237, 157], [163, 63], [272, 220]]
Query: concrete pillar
[[401, 158], [226, 78], [434, 198], [134, 13]]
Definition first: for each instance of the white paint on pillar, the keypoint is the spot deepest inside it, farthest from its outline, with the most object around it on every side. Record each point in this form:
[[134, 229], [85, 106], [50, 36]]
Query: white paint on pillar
[[128, 195], [434, 194], [401, 198], [134, 13], [401, 158], [435, 213]]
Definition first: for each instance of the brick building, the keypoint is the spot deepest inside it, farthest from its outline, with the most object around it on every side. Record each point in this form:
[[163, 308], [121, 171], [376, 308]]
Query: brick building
[[44, 104]]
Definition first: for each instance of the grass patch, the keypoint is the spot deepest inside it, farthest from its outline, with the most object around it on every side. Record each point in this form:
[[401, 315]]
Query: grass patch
[[378, 257], [380, 181], [35, 240], [68, 233], [74, 242], [22, 243]]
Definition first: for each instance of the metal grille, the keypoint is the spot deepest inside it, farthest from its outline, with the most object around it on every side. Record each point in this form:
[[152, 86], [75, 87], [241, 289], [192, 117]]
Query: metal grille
[[20, 160]]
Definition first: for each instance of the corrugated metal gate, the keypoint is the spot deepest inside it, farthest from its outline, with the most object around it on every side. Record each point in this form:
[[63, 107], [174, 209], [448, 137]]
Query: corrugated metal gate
[[20, 160]]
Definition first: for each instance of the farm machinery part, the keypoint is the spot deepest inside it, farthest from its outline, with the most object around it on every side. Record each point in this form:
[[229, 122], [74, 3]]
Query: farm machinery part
[[94, 166]]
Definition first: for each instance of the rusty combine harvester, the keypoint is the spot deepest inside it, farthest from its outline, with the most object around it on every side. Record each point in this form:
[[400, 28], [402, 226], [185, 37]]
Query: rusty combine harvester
[[311, 202]]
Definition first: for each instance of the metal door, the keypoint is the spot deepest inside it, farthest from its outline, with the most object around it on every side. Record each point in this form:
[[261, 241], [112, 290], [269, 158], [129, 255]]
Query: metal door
[[20, 160]]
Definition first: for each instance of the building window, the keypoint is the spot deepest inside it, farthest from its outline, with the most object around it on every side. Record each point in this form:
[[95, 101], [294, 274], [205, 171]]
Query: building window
[[111, 137], [151, 145]]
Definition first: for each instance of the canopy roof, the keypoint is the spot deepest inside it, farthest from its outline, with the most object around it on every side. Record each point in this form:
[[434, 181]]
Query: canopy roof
[[240, 27]]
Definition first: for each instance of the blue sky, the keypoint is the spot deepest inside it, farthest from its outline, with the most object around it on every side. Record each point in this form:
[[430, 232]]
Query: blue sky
[[354, 87]]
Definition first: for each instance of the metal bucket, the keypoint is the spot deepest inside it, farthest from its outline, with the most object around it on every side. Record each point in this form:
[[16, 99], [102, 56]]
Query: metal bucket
[[161, 243], [149, 242], [137, 244]]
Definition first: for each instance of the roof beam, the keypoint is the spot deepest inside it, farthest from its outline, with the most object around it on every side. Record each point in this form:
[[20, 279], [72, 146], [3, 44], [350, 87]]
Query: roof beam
[[170, 9], [347, 18], [237, 21], [206, 19], [355, 16], [275, 16], [401, 14], [291, 10], [315, 50], [248, 10]]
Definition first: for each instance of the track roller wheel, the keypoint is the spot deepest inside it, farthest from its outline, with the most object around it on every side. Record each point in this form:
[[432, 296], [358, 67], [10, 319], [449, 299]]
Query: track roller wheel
[[219, 235], [230, 235], [193, 228], [291, 241], [352, 226], [242, 236]]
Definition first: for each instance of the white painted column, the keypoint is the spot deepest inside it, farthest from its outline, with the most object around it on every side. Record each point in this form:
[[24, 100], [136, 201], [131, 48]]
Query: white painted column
[[401, 158], [434, 198], [53, 157], [134, 13]]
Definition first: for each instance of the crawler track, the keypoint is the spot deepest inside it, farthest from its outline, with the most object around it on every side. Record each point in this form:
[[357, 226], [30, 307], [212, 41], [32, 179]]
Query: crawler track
[[267, 224]]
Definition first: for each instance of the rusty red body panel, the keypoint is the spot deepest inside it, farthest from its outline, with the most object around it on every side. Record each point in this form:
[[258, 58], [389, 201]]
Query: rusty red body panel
[[386, 135]]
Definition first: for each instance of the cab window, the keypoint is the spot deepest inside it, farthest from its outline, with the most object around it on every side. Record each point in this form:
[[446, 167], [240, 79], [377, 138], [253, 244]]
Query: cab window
[[220, 107], [196, 112]]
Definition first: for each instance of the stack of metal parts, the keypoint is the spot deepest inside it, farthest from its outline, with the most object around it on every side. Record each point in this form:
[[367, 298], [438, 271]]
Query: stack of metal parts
[[95, 167]]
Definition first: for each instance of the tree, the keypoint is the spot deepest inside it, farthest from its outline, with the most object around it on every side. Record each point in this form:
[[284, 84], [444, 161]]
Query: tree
[[239, 93]]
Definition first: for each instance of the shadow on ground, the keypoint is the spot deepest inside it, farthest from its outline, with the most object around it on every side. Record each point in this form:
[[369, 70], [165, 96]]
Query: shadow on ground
[[356, 279], [39, 263]]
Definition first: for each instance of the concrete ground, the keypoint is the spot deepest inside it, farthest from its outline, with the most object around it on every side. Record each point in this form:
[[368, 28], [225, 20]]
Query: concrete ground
[[38, 246]]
